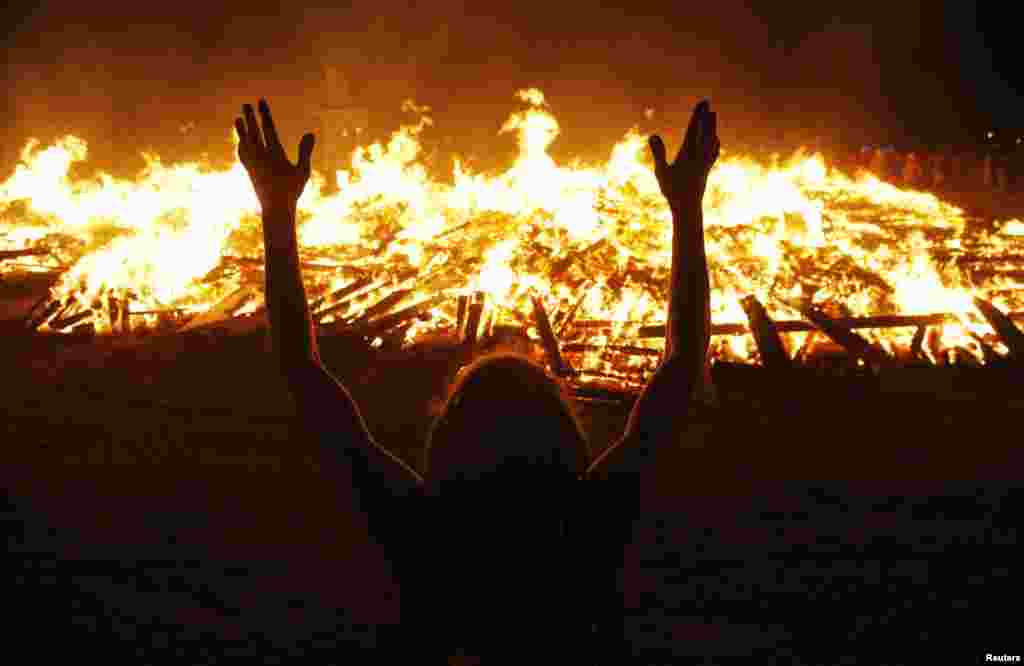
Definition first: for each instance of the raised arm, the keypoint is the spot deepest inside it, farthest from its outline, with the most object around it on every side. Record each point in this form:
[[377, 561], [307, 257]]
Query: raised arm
[[324, 405], [659, 415]]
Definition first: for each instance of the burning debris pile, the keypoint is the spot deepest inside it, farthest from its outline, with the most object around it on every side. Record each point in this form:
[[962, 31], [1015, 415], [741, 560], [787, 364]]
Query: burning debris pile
[[573, 256]]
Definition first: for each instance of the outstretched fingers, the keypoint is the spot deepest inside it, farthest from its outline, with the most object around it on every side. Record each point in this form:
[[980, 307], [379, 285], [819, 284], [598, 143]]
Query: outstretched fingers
[[252, 127], [694, 130], [269, 129], [243, 140], [658, 153], [306, 154], [712, 144], [240, 130]]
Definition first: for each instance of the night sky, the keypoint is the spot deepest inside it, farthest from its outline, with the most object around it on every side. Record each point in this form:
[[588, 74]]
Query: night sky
[[133, 77]]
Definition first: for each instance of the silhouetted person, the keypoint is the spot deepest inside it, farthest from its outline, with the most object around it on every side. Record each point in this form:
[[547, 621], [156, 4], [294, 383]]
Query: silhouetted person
[[498, 548]]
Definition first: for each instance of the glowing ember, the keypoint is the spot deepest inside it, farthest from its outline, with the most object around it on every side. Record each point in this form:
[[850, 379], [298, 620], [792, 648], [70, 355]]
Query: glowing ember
[[598, 234]]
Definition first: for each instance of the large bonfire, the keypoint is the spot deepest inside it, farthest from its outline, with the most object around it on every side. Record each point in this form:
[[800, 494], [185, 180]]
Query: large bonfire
[[591, 237]]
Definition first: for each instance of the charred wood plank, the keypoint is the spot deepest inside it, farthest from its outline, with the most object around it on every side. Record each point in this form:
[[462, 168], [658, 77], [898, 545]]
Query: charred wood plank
[[339, 298], [35, 309], [61, 323], [223, 310], [988, 353], [1003, 326], [547, 337], [628, 350], [571, 315], [769, 344], [163, 311], [32, 323], [381, 325], [380, 307], [792, 326], [476, 311], [62, 312], [853, 343]]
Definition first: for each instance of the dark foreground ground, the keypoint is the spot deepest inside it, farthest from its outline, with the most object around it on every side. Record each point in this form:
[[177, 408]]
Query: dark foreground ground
[[157, 506]]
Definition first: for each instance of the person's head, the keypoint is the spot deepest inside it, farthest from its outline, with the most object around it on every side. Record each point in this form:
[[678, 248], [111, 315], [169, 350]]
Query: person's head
[[504, 417], [503, 459]]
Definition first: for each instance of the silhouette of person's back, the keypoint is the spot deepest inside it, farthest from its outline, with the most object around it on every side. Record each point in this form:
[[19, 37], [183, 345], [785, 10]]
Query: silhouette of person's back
[[501, 542], [492, 547]]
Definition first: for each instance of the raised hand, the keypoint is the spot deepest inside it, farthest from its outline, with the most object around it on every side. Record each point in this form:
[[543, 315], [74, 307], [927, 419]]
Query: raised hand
[[659, 416], [278, 182], [325, 405], [683, 182]]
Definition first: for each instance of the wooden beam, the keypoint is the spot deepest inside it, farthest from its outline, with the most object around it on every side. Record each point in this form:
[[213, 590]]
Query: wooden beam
[[793, 326], [1003, 326], [769, 344], [32, 323], [988, 353], [380, 307], [68, 305], [382, 324], [570, 316], [476, 310], [223, 310], [162, 311], [853, 343], [628, 350], [61, 323], [340, 298], [35, 309], [547, 337]]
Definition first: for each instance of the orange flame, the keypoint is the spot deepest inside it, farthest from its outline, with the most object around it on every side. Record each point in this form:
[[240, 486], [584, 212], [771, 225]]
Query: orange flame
[[779, 232]]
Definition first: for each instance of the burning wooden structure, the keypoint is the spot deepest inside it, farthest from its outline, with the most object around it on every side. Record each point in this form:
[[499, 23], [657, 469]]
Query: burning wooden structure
[[832, 341], [810, 266]]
